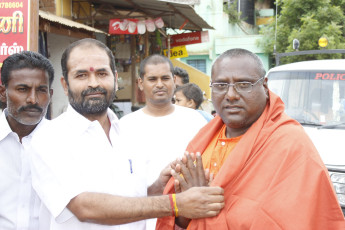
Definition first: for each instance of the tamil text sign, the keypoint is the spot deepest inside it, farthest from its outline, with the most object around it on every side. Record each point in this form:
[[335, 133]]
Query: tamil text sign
[[14, 27]]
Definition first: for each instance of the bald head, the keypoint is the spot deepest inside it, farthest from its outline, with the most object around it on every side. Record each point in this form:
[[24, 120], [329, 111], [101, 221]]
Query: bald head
[[242, 53]]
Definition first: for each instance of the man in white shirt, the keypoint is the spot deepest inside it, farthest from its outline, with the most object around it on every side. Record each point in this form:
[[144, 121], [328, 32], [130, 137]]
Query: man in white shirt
[[26, 89], [77, 170], [160, 132]]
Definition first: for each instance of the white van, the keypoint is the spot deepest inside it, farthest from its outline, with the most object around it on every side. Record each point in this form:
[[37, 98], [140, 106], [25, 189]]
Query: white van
[[314, 95]]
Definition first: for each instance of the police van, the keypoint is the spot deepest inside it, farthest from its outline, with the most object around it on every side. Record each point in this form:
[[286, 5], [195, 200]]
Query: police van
[[314, 95]]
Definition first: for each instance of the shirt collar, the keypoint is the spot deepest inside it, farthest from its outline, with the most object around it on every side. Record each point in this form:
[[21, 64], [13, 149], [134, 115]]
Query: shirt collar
[[4, 126], [82, 122]]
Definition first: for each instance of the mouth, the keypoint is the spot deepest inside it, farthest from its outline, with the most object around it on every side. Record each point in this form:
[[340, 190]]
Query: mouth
[[95, 94], [233, 108], [160, 92]]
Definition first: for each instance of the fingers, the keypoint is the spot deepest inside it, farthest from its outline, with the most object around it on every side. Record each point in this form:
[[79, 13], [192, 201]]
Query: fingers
[[200, 170], [182, 185]]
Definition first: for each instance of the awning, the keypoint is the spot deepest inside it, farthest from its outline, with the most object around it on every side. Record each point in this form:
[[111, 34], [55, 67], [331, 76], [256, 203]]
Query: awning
[[196, 77], [55, 24], [174, 13]]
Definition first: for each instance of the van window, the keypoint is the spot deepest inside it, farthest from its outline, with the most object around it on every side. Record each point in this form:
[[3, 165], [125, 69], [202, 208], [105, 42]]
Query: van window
[[311, 97]]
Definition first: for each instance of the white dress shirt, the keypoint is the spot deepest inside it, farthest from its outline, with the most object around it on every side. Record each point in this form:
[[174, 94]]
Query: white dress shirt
[[73, 155], [19, 204]]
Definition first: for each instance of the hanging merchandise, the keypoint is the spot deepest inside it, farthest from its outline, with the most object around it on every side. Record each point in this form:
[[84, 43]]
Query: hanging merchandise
[[124, 25], [150, 25], [141, 27], [159, 22]]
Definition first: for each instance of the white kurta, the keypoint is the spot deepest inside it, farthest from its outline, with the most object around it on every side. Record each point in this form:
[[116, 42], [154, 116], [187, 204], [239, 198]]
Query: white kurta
[[19, 204], [73, 155], [157, 141]]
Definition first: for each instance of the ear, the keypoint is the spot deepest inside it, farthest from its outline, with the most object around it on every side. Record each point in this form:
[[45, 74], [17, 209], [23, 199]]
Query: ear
[[3, 97], [191, 104], [116, 82], [266, 87], [64, 85], [140, 84]]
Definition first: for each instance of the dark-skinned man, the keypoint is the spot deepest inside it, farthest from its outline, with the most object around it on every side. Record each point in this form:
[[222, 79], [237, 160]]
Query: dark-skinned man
[[272, 175]]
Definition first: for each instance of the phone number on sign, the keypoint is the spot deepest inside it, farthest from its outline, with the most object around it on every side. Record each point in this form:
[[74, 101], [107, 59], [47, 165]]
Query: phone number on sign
[[11, 4]]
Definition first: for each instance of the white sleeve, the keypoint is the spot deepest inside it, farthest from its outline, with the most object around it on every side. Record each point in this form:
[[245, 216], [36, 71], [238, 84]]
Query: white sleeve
[[52, 178]]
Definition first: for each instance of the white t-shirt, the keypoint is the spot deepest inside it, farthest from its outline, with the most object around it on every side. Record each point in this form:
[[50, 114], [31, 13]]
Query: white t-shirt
[[19, 204], [157, 141], [73, 155]]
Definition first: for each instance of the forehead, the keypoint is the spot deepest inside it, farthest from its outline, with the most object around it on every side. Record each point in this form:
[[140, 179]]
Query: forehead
[[158, 70], [84, 57], [29, 77], [235, 67]]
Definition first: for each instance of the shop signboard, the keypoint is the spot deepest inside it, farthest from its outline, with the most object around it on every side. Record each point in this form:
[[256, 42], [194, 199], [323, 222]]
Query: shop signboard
[[14, 27], [125, 26], [189, 38], [177, 52]]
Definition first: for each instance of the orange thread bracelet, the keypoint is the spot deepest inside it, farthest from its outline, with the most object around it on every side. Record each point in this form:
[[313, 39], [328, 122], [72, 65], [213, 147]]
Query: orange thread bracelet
[[175, 205], [172, 204]]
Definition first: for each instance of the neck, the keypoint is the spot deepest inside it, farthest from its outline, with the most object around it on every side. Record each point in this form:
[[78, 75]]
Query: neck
[[21, 129], [231, 132], [102, 119], [158, 110]]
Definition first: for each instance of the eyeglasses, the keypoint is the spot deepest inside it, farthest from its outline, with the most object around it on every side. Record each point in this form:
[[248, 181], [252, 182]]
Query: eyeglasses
[[241, 87]]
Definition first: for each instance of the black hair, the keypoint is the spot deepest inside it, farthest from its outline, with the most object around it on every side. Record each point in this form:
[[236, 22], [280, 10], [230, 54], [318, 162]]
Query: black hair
[[85, 42], [182, 74], [154, 60], [192, 92], [26, 59]]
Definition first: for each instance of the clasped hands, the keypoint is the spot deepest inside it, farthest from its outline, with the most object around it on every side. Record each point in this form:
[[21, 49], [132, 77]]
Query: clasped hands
[[189, 172]]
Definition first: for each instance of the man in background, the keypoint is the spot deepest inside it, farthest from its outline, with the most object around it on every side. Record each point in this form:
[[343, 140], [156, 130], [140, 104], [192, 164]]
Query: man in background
[[26, 89], [159, 132], [181, 76]]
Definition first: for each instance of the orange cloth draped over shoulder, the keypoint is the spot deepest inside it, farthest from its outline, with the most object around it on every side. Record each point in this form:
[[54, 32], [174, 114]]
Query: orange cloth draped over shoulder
[[273, 179]]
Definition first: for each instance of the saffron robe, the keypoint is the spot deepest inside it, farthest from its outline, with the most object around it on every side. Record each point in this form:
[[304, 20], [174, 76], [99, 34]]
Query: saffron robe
[[273, 179]]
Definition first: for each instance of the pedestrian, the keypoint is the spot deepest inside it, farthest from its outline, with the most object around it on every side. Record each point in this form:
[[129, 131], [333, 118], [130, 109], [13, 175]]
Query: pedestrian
[[26, 79]]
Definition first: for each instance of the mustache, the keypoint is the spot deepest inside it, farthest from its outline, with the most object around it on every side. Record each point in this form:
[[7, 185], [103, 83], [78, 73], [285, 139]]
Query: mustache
[[29, 107], [94, 90]]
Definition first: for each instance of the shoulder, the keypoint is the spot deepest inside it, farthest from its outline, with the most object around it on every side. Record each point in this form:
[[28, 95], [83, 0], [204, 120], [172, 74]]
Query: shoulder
[[132, 116], [189, 115]]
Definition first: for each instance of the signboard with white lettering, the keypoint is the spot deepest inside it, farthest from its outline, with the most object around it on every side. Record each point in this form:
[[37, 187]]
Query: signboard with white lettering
[[126, 26], [14, 27], [189, 38], [177, 52]]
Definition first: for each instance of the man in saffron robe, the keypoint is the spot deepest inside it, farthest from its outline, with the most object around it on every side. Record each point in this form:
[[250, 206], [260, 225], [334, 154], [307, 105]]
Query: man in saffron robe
[[272, 175]]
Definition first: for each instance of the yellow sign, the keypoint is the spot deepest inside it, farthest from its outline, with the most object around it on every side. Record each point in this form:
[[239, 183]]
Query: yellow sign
[[177, 52], [323, 42]]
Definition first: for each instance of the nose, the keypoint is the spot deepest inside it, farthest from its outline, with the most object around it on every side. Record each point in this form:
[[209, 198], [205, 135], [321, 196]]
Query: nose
[[159, 83], [232, 93], [32, 97], [93, 81]]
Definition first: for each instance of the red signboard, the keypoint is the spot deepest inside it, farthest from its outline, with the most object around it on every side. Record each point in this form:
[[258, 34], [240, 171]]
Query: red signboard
[[14, 27], [125, 26], [189, 38]]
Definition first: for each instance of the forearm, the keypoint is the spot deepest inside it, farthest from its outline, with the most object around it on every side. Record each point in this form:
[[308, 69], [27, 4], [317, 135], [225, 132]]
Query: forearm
[[113, 210]]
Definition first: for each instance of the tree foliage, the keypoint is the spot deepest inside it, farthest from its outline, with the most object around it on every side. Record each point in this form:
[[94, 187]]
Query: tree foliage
[[307, 21]]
